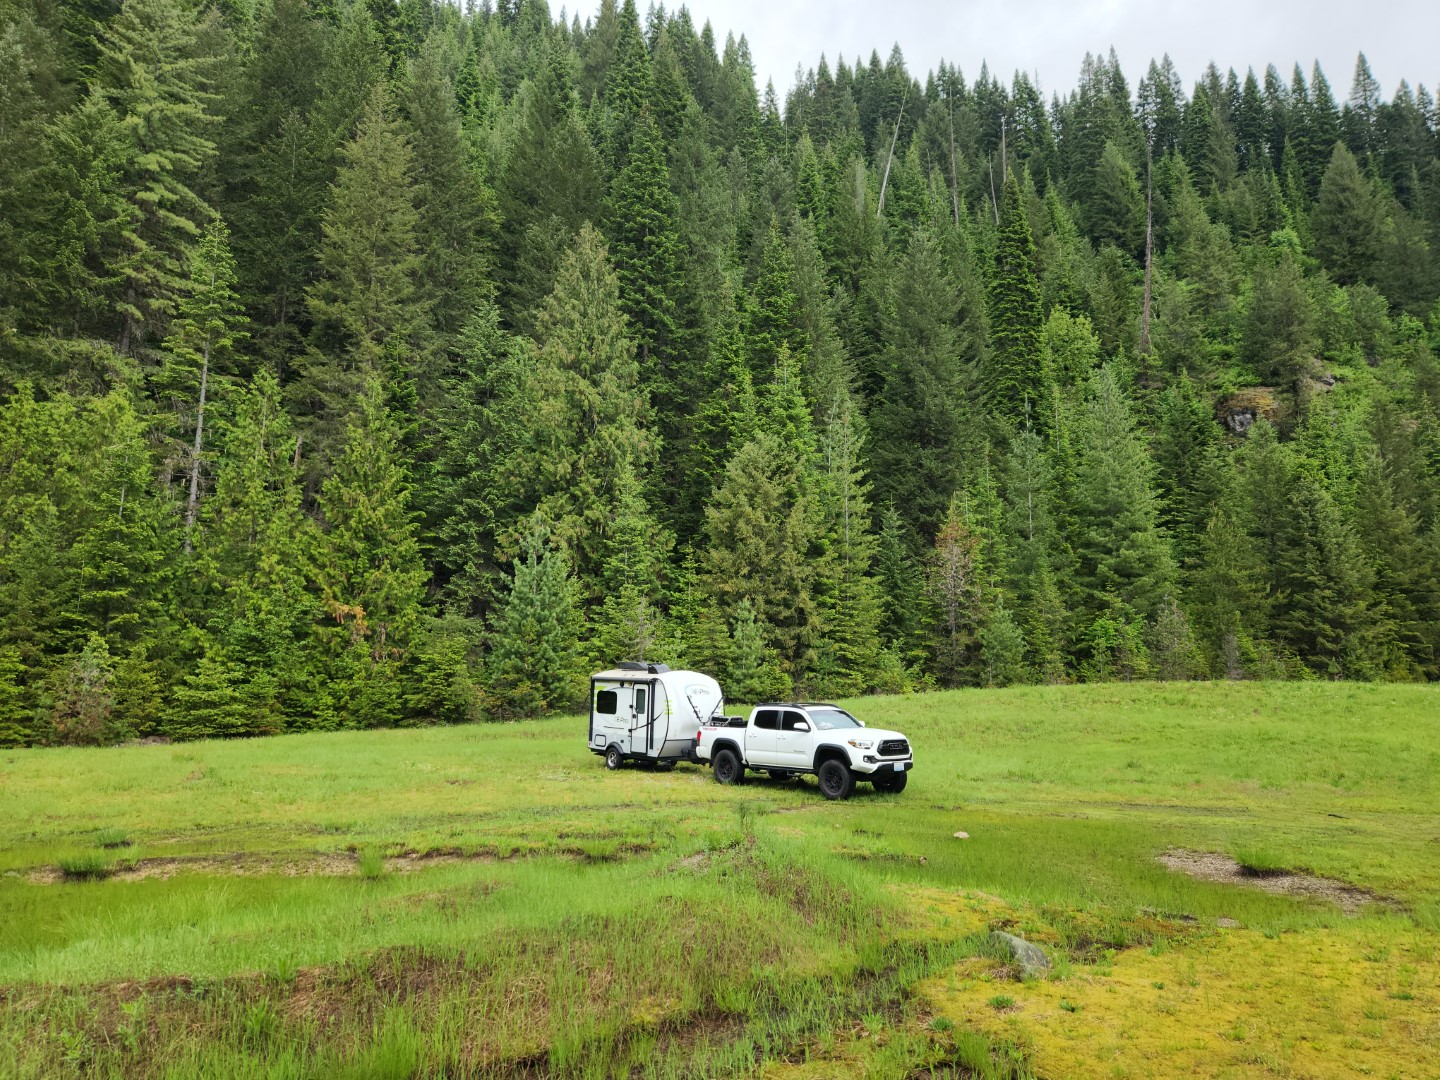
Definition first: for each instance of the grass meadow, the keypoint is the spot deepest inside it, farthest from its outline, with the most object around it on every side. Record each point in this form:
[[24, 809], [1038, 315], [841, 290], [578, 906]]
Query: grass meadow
[[489, 901]]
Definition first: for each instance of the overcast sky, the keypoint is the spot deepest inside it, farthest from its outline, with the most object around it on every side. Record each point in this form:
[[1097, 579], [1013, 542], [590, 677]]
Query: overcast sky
[[1049, 38]]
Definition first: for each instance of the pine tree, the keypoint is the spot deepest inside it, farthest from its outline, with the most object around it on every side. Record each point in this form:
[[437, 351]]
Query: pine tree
[[366, 306], [1116, 209], [456, 216], [1229, 593], [761, 525], [956, 597], [585, 410], [1279, 338], [154, 70], [920, 416], [534, 663], [1015, 382], [16, 708], [754, 672], [645, 247], [1123, 553], [368, 567], [202, 338], [849, 596], [1349, 221]]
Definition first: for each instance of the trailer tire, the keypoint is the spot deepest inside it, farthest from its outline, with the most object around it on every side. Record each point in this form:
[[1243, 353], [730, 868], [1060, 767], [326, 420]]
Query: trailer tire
[[892, 784], [613, 757], [728, 769], [837, 782]]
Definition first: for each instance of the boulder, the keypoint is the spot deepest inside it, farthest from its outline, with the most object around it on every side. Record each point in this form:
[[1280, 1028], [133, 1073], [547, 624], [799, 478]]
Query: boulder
[[1033, 963]]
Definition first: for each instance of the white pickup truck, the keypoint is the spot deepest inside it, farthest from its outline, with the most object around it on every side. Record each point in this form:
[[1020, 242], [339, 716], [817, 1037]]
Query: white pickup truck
[[787, 740]]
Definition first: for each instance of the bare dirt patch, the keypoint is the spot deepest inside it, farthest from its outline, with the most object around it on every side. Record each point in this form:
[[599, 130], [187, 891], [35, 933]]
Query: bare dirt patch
[[1212, 866]]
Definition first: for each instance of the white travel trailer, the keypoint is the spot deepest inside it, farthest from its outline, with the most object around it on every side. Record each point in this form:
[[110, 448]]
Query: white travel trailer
[[646, 712]]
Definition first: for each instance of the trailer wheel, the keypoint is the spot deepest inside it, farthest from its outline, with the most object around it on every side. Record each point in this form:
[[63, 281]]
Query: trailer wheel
[[613, 757], [836, 779], [892, 784], [728, 769]]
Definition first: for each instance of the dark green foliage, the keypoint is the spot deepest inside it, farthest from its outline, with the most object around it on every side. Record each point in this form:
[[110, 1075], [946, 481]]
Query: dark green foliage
[[323, 403], [1015, 382], [534, 664]]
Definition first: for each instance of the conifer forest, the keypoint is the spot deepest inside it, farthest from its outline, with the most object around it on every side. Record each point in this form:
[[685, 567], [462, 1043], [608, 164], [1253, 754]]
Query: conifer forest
[[385, 362]]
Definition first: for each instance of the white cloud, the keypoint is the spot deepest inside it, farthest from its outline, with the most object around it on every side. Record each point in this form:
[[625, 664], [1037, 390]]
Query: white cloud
[[1049, 38]]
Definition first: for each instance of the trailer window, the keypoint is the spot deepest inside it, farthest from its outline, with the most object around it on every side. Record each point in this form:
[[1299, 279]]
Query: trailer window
[[606, 702], [768, 719], [640, 700]]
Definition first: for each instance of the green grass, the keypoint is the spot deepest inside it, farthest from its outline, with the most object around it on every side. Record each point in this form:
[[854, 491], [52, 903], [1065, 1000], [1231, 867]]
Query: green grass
[[87, 866], [472, 899]]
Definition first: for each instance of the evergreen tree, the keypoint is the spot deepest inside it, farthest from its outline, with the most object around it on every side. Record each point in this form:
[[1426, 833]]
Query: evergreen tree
[[919, 417], [1349, 221], [584, 410], [1015, 382], [956, 597], [1123, 554], [155, 71], [367, 310], [534, 663], [202, 337], [645, 249], [368, 567]]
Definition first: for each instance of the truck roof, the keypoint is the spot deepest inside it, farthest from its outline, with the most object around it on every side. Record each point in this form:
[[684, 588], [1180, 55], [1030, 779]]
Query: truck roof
[[796, 705]]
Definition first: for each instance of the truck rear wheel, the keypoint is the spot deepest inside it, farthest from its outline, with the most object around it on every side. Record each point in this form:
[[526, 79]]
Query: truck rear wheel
[[613, 757], [836, 779], [728, 769], [892, 783]]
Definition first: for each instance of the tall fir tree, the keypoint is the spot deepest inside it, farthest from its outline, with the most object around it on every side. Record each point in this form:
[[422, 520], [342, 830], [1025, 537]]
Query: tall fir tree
[[1015, 382]]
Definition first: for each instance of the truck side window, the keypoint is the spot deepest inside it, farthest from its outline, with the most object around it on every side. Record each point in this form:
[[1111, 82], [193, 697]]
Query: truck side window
[[640, 700], [605, 702], [793, 718], [768, 719]]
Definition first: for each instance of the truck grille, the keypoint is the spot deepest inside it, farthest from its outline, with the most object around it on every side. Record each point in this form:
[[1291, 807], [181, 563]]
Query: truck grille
[[894, 748]]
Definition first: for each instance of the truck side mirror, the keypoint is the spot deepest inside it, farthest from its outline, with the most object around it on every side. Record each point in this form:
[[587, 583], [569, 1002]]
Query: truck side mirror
[[801, 725]]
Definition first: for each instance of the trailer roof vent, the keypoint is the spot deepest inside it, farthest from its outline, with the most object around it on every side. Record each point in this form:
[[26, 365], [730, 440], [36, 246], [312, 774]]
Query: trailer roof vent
[[659, 669], [631, 665]]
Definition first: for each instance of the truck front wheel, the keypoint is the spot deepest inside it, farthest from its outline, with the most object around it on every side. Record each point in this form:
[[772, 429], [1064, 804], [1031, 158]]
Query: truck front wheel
[[613, 757], [893, 783], [728, 769], [836, 779]]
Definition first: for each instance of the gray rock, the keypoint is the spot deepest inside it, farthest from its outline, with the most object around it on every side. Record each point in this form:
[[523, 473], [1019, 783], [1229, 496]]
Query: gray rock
[[1240, 422], [1033, 963]]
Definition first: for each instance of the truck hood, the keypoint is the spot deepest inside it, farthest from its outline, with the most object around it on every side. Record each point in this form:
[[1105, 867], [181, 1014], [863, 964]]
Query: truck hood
[[868, 734]]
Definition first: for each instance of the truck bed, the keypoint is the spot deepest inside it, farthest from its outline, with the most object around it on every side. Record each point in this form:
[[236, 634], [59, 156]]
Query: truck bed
[[725, 721]]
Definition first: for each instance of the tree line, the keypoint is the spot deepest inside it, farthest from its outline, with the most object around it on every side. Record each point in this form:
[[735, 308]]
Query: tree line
[[375, 362]]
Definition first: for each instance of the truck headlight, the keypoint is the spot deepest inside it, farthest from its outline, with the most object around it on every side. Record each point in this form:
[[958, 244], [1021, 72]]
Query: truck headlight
[[861, 744]]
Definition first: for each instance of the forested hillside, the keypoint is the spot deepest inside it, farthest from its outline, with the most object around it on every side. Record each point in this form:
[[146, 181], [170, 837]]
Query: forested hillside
[[368, 362]]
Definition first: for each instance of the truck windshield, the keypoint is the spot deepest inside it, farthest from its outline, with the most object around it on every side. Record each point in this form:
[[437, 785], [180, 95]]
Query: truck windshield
[[827, 719]]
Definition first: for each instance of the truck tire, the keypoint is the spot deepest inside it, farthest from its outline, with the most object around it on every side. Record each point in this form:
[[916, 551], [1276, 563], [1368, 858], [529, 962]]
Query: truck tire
[[613, 757], [728, 769], [892, 783], [836, 780]]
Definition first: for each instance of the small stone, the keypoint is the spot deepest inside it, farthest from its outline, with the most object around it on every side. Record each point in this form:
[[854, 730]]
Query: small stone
[[1032, 961], [962, 836], [1226, 924]]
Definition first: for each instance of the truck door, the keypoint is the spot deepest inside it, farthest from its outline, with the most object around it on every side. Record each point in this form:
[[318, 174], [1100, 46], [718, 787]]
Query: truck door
[[760, 737], [793, 746]]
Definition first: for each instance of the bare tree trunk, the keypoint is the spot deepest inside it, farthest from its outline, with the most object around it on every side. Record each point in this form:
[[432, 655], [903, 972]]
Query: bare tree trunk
[[1149, 246], [194, 501], [885, 180], [1004, 155], [954, 176], [994, 202]]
